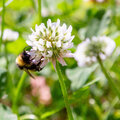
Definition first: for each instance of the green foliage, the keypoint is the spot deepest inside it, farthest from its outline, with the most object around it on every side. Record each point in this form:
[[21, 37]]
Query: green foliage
[[89, 94], [99, 27], [79, 76]]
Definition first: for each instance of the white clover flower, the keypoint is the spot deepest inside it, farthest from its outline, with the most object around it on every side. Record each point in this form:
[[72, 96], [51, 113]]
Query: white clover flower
[[9, 35], [52, 41], [88, 51]]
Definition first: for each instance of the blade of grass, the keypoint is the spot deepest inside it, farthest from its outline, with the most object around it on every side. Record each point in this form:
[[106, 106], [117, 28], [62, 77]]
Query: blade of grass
[[92, 82], [107, 75], [17, 92], [3, 22]]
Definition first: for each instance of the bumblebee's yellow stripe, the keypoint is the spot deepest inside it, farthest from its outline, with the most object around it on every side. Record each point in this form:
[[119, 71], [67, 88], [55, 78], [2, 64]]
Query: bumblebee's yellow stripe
[[19, 61]]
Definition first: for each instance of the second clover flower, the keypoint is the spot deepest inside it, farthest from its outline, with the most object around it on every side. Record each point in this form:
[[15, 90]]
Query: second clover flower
[[88, 51], [52, 42]]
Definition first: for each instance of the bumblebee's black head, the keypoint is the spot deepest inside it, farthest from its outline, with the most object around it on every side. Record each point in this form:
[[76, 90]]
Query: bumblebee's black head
[[25, 57]]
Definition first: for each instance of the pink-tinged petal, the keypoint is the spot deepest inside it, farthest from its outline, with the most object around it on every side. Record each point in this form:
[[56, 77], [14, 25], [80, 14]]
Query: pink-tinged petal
[[61, 60], [69, 55], [54, 63], [44, 63]]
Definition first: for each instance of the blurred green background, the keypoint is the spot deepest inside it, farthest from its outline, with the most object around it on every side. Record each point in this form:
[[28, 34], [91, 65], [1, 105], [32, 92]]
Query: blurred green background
[[90, 95]]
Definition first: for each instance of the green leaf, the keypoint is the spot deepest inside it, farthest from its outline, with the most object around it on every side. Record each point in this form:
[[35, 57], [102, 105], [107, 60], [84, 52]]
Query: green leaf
[[92, 28], [97, 27], [104, 22], [6, 114], [79, 76]]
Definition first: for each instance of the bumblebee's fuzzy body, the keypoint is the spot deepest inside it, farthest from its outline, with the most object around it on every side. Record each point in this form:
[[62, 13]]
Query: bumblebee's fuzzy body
[[26, 62]]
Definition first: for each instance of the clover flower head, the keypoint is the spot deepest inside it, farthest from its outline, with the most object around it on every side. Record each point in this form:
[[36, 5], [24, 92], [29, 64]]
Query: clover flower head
[[88, 51], [52, 41], [9, 35]]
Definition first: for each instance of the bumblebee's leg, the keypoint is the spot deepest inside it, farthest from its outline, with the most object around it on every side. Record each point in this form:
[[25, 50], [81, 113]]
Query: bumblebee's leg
[[27, 71]]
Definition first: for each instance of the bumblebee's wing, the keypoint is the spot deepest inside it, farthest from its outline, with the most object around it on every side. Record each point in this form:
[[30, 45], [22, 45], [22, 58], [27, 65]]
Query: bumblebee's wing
[[28, 72]]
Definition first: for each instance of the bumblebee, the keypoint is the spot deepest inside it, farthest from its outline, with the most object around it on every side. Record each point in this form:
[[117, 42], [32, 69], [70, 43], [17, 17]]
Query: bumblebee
[[28, 61]]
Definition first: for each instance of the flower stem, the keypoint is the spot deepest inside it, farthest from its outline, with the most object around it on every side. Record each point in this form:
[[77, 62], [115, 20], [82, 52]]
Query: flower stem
[[2, 31], [2, 25], [18, 89], [64, 91], [39, 11], [107, 75]]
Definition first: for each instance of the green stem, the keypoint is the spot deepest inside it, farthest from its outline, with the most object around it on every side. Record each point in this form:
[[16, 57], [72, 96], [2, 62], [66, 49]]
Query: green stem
[[39, 11], [18, 89], [110, 80], [2, 31], [2, 25], [6, 55], [64, 91]]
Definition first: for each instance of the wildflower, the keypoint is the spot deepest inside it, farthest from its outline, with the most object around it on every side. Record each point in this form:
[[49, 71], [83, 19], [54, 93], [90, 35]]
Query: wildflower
[[9, 35], [41, 90], [52, 42], [88, 51]]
